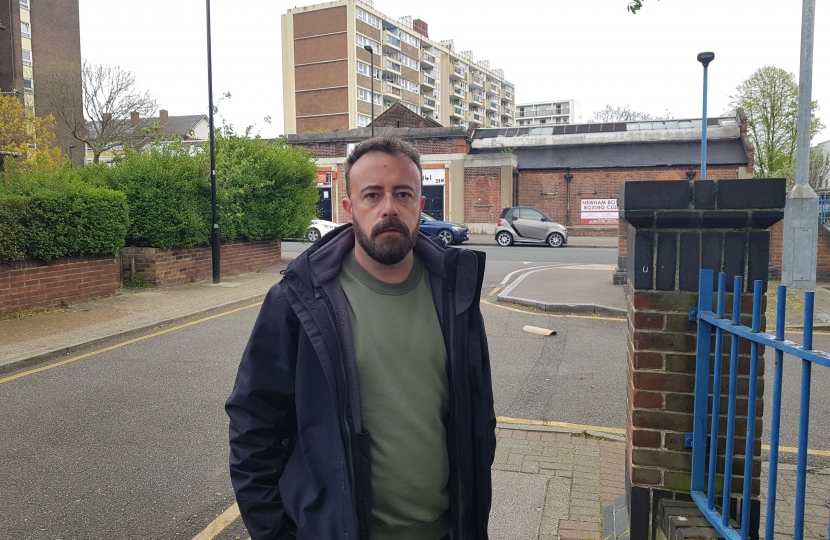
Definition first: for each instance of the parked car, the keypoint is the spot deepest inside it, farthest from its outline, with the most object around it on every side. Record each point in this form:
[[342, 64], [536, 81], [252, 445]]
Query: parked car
[[319, 228], [527, 224], [450, 233]]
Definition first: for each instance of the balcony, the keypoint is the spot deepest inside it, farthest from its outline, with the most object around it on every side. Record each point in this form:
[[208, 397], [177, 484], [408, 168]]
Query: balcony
[[392, 40], [460, 92], [495, 88], [494, 105], [477, 81], [460, 72], [478, 117], [478, 98], [393, 66], [428, 59], [429, 81], [393, 90], [544, 112], [459, 112], [428, 103]]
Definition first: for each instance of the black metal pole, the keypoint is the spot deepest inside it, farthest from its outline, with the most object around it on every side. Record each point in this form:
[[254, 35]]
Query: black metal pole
[[214, 241]]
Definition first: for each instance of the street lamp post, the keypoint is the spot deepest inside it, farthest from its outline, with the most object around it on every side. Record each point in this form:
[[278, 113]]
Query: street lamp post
[[214, 243], [704, 58], [372, 76]]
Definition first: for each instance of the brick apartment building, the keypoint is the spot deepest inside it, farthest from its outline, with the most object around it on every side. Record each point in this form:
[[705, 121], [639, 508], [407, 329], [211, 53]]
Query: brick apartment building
[[327, 50], [40, 57]]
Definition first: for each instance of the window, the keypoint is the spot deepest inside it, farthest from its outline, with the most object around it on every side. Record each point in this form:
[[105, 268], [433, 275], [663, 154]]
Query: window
[[528, 213], [411, 86], [409, 62], [393, 40], [393, 65], [363, 69], [363, 41], [28, 85], [413, 108], [363, 120], [27, 57], [25, 29], [25, 4], [366, 95], [411, 40], [367, 17]]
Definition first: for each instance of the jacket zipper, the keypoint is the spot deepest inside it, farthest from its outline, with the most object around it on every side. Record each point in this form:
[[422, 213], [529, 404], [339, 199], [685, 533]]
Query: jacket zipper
[[453, 370], [349, 455]]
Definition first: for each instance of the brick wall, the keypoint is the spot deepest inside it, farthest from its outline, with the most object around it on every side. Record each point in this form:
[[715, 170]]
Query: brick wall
[[547, 190], [30, 284], [174, 266], [822, 255], [672, 232], [317, 102], [320, 21], [399, 116], [329, 122], [482, 194], [323, 75]]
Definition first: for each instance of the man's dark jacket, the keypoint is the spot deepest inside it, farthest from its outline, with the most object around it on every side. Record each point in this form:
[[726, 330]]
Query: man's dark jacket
[[299, 461]]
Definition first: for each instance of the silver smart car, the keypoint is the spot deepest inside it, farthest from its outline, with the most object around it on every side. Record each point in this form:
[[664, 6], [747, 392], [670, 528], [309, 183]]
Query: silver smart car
[[527, 224]]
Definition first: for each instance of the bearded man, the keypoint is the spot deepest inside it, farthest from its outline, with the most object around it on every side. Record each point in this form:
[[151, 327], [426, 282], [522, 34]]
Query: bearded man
[[363, 406]]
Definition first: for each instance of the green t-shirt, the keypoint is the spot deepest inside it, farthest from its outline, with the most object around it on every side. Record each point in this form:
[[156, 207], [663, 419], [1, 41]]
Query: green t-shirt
[[401, 365]]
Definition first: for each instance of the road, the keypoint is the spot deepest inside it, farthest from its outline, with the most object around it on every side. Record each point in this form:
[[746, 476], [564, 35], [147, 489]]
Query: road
[[132, 442]]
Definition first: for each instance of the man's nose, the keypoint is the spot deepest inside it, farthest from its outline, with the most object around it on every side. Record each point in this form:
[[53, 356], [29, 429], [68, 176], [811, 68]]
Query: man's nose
[[389, 206]]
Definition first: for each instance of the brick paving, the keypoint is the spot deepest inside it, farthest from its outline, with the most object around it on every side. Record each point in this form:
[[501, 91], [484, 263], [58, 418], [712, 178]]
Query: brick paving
[[583, 474], [816, 505]]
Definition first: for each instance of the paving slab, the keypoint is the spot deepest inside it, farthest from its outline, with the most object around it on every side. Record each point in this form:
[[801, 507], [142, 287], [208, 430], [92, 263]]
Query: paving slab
[[518, 500]]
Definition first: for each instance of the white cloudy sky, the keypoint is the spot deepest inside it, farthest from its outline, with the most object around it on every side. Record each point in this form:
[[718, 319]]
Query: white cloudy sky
[[593, 51]]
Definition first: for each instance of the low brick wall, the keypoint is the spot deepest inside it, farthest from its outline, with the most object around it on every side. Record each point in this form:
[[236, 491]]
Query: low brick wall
[[164, 267], [592, 230], [30, 284]]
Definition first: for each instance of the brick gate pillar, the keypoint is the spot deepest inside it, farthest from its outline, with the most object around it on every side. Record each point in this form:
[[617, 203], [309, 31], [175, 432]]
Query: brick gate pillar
[[674, 229]]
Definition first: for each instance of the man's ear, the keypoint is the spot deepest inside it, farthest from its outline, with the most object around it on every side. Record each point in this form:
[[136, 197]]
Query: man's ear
[[423, 202], [347, 206]]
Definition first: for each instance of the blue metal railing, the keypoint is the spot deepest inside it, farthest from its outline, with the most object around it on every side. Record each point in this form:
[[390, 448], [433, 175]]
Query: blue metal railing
[[707, 322], [824, 207]]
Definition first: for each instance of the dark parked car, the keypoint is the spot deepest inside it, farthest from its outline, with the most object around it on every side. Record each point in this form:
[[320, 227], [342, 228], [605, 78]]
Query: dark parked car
[[527, 224], [450, 233]]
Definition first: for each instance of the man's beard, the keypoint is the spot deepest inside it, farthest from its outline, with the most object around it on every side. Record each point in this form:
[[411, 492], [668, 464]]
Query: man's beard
[[385, 249]]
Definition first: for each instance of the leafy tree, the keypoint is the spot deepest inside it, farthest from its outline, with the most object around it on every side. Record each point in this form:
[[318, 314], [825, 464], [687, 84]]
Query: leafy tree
[[30, 138], [818, 175], [110, 96], [624, 114], [769, 97]]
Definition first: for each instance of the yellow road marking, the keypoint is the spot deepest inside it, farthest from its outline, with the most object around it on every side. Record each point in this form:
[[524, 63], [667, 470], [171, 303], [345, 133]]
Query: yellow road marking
[[219, 524], [550, 423], [122, 344], [593, 317], [494, 292]]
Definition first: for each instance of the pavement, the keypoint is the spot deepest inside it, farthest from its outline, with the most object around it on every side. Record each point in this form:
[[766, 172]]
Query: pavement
[[551, 480]]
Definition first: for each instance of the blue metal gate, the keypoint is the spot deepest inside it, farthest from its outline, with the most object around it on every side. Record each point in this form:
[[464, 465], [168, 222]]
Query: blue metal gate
[[707, 322]]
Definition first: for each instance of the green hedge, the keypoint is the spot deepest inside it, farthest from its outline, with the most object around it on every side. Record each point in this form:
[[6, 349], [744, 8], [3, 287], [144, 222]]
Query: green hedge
[[168, 194], [58, 215], [14, 213]]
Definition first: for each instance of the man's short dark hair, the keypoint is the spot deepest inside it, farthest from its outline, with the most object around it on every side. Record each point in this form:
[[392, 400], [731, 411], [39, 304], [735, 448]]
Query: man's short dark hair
[[387, 144]]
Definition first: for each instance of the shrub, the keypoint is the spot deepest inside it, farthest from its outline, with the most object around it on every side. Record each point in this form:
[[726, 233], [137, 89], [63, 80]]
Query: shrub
[[168, 193], [264, 190], [14, 211], [58, 215]]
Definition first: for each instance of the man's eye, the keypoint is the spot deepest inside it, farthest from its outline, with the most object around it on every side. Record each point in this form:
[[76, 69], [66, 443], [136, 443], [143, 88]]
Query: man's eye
[[371, 195], [404, 194]]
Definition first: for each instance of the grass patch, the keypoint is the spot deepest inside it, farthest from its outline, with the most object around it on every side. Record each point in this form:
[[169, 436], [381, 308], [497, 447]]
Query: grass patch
[[34, 312], [138, 283]]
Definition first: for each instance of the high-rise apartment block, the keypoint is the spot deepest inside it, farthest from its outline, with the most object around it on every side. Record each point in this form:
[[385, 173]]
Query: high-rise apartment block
[[327, 79], [564, 111], [40, 58]]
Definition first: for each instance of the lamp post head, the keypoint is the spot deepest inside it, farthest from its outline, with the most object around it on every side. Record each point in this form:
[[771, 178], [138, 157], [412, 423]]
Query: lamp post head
[[705, 57], [369, 48]]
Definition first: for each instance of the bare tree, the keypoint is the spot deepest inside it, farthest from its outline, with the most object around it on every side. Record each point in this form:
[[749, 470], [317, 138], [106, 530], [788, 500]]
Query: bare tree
[[110, 97], [623, 114]]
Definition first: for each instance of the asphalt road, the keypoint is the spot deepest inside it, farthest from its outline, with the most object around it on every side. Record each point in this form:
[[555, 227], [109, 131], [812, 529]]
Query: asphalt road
[[132, 442]]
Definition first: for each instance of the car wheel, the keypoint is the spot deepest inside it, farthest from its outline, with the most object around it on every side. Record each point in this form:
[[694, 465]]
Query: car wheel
[[504, 238], [446, 236], [555, 240], [313, 235]]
